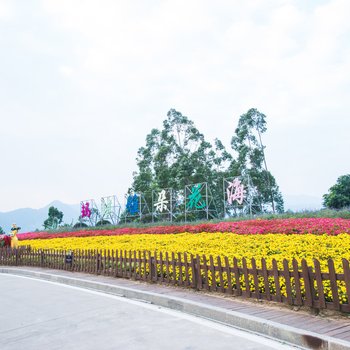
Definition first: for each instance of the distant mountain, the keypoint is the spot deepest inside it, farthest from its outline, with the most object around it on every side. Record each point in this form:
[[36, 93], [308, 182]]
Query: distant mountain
[[31, 219], [301, 202]]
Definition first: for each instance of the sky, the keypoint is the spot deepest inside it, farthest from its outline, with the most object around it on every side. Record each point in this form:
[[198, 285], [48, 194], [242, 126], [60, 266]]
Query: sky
[[83, 82]]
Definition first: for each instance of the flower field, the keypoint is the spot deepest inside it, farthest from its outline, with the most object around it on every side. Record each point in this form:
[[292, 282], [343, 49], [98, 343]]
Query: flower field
[[268, 246], [317, 226], [271, 240], [279, 239]]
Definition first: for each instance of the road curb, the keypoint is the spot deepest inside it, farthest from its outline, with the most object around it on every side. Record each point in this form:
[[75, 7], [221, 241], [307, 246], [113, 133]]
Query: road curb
[[283, 333]]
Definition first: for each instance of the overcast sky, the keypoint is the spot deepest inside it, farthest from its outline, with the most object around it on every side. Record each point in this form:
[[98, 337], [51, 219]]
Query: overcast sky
[[83, 82]]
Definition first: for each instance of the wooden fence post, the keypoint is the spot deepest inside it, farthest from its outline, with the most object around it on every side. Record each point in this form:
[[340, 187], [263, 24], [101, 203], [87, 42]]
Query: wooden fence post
[[199, 273], [238, 289], [287, 281], [320, 288], [98, 263], [153, 270], [346, 270], [256, 279], [265, 275], [42, 257], [16, 252], [307, 283], [194, 272], [228, 271], [276, 280], [297, 285], [334, 286]]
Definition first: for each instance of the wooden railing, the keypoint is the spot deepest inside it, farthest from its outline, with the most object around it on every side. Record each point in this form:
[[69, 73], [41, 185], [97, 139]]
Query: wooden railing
[[293, 283]]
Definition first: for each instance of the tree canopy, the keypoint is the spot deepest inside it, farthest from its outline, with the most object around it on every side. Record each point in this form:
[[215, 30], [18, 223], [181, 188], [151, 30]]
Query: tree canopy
[[54, 219], [251, 162], [338, 195], [178, 155]]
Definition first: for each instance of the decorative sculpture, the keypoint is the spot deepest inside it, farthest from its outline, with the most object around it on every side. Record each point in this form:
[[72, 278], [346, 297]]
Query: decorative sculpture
[[10, 240], [14, 239]]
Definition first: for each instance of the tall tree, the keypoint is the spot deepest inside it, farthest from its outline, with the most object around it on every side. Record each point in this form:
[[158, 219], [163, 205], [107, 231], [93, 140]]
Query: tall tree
[[338, 195], [54, 219], [178, 155], [251, 161]]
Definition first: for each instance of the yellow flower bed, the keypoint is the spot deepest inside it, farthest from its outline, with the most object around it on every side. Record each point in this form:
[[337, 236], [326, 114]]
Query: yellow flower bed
[[270, 246]]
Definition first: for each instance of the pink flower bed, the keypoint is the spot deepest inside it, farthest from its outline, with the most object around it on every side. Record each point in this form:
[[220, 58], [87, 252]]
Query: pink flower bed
[[317, 226], [5, 241]]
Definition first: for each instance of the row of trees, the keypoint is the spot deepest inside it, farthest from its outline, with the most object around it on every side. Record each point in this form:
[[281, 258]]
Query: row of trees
[[338, 195], [178, 155]]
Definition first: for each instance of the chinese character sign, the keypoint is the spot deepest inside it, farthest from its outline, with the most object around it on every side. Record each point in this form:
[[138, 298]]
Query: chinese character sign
[[132, 204], [235, 191], [161, 205], [195, 198], [107, 207], [85, 210]]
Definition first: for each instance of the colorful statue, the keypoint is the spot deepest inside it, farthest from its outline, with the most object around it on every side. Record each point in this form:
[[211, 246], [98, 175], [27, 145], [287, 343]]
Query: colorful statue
[[14, 239]]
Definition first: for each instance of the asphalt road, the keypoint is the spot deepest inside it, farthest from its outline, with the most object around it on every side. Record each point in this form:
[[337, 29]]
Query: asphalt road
[[36, 314]]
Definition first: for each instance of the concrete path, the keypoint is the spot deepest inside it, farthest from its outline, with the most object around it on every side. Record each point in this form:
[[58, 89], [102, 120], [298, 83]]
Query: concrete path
[[37, 314], [292, 327]]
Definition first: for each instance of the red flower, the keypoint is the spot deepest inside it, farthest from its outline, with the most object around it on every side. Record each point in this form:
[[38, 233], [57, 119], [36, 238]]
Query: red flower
[[317, 226]]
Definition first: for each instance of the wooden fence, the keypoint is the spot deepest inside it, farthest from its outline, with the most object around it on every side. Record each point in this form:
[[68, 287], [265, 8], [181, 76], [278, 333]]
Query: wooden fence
[[294, 283]]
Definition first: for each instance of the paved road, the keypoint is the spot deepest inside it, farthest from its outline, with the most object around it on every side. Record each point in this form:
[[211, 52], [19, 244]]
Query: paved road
[[36, 314]]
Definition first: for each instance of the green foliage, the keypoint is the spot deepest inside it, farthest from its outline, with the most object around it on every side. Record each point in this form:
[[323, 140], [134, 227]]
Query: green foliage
[[80, 225], [66, 225], [102, 223], [2, 232], [338, 195], [251, 162], [54, 219], [178, 155], [247, 139]]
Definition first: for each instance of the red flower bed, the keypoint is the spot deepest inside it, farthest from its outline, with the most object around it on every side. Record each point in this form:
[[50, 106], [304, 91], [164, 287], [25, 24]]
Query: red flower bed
[[5, 241], [317, 226]]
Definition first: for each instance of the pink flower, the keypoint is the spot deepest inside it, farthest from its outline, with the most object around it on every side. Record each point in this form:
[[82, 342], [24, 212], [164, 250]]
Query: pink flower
[[330, 226]]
